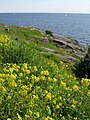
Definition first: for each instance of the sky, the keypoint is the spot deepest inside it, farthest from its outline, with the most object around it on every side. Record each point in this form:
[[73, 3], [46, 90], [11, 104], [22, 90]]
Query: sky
[[45, 6]]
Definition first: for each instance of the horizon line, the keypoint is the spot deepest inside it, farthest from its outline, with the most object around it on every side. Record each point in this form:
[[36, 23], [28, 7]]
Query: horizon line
[[50, 12]]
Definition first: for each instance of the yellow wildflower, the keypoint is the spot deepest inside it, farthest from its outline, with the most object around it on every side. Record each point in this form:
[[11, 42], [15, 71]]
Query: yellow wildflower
[[63, 84], [19, 117], [19, 81], [45, 91], [60, 97], [75, 118], [54, 101], [24, 92], [24, 87], [35, 68], [24, 67], [27, 117], [2, 80], [49, 79], [13, 84], [61, 62], [30, 112], [85, 81], [2, 89], [48, 96], [73, 106], [37, 114], [68, 95], [20, 74], [42, 77], [88, 93], [5, 40], [47, 108], [54, 80], [46, 72], [26, 78], [27, 71], [48, 118], [75, 88], [74, 101], [51, 87], [12, 77], [9, 97], [9, 119], [11, 70], [57, 106]]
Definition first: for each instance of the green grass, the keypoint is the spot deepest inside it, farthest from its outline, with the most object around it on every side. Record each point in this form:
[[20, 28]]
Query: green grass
[[31, 36], [35, 85]]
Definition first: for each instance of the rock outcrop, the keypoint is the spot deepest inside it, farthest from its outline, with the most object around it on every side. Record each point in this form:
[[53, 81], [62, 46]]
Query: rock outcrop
[[73, 47], [68, 43]]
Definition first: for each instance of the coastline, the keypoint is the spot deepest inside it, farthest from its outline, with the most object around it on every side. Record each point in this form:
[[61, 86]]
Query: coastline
[[66, 49]]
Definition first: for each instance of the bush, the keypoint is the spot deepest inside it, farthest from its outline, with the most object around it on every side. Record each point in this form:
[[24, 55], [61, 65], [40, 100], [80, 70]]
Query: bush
[[48, 32], [15, 55], [23, 53], [5, 43], [82, 67], [10, 52]]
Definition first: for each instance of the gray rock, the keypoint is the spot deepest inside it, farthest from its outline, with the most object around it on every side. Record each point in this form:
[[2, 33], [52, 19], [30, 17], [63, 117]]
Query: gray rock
[[6, 29], [68, 58], [72, 45], [49, 50]]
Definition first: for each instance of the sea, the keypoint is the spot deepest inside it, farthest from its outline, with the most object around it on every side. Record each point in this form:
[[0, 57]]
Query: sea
[[76, 26]]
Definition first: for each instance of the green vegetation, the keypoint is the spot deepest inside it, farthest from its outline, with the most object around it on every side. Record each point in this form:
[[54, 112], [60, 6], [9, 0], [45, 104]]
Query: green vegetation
[[48, 32], [35, 85], [82, 67]]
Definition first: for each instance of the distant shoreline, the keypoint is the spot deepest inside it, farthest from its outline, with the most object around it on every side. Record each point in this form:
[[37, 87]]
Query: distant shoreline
[[67, 37], [71, 49], [66, 24], [40, 13]]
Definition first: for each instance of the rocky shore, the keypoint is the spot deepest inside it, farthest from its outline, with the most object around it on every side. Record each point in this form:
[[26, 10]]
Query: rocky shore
[[66, 49], [75, 49]]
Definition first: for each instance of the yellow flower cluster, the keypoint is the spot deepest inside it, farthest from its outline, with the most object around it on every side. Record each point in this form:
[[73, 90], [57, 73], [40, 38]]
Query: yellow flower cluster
[[88, 93], [45, 72], [63, 84], [31, 92], [85, 81], [75, 88], [2, 89], [5, 40], [48, 118]]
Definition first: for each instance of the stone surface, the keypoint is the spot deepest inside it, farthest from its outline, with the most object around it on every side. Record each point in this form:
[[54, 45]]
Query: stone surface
[[72, 46]]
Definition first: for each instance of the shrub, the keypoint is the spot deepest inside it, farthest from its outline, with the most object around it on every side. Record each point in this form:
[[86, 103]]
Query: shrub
[[48, 32], [15, 55], [12, 52], [5, 43], [82, 67]]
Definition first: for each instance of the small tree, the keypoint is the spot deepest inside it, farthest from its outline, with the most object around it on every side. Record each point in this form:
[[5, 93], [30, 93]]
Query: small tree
[[82, 68], [48, 32]]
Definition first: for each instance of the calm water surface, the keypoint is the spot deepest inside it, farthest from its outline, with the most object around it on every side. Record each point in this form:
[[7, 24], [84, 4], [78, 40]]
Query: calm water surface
[[76, 26]]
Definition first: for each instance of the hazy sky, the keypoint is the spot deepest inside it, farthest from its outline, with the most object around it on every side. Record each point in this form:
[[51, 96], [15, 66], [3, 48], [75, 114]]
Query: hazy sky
[[66, 6]]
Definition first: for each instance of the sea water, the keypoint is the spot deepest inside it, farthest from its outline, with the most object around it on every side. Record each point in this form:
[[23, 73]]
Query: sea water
[[76, 26]]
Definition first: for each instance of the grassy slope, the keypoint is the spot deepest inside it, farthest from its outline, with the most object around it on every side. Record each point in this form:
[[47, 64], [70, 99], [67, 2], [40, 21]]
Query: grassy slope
[[33, 37], [53, 85]]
